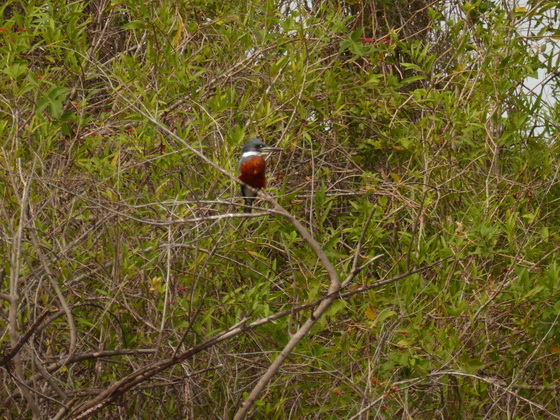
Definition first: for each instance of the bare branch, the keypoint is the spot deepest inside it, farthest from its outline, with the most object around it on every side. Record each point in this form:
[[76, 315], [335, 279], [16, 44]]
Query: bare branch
[[132, 380]]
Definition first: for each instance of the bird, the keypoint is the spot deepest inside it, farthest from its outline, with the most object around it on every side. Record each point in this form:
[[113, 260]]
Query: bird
[[252, 169]]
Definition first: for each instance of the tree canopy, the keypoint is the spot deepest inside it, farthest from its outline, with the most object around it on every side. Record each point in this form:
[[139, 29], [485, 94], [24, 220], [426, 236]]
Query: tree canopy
[[403, 261]]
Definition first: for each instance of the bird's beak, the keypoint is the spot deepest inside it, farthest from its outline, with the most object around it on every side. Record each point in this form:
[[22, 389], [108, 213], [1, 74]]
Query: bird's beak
[[269, 149]]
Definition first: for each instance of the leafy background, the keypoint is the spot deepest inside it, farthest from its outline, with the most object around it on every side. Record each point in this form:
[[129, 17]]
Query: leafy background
[[415, 116]]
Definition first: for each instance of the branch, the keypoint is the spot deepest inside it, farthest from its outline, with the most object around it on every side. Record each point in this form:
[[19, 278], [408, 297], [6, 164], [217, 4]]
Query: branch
[[333, 295], [498, 384], [132, 380], [335, 286], [15, 274], [24, 338]]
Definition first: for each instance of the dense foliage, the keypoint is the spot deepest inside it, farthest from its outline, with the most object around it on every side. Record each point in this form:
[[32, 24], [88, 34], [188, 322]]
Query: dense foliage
[[414, 145]]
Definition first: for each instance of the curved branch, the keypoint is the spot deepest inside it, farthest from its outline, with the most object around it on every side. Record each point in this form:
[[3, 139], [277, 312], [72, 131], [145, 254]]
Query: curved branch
[[132, 380], [5, 359]]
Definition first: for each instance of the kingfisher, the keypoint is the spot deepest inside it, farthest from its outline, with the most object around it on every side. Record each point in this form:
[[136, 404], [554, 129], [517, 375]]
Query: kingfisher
[[252, 168]]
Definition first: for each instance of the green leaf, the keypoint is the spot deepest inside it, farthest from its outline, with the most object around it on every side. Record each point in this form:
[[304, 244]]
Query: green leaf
[[335, 308], [357, 34], [472, 365], [413, 79], [529, 217], [384, 315], [411, 66], [135, 24], [16, 71]]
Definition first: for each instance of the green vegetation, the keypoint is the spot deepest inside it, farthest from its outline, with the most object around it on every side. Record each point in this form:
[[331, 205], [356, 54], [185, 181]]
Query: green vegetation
[[415, 158]]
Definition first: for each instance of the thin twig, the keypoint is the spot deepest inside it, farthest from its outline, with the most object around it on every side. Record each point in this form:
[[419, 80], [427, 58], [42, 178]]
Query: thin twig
[[133, 379]]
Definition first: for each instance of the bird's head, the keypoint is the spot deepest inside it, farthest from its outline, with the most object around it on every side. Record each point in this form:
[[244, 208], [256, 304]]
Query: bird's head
[[256, 147]]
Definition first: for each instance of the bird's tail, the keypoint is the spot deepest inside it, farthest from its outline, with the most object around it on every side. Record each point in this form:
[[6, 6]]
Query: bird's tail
[[248, 202], [249, 197]]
